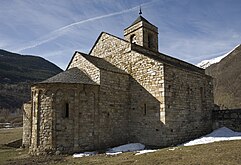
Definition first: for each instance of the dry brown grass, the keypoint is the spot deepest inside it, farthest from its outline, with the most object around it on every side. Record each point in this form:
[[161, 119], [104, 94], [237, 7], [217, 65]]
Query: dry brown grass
[[220, 153], [8, 135]]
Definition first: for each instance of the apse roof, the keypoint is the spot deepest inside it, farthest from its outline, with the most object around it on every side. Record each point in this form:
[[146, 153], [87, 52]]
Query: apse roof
[[71, 76]]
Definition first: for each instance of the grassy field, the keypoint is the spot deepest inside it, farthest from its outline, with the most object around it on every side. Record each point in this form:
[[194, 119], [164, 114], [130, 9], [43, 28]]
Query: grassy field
[[7, 135], [221, 153]]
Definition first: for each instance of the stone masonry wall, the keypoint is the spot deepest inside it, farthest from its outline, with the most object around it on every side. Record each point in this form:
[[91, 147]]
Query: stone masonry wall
[[230, 118], [112, 46], [114, 104], [78, 131], [56, 130], [146, 92], [147, 116], [153, 119], [26, 124], [42, 117], [188, 104], [80, 62]]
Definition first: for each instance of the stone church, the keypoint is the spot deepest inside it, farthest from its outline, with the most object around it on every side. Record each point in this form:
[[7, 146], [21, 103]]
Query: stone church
[[123, 91]]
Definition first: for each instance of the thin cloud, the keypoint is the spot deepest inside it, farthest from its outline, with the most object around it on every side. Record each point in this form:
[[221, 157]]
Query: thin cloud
[[59, 32]]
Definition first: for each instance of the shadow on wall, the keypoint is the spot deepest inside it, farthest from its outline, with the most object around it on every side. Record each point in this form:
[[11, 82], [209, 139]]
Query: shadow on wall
[[230, 118], [145, 116]]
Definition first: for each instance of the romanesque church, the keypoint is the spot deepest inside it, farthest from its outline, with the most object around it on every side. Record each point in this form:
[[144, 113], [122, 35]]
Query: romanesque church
[[123, 91]]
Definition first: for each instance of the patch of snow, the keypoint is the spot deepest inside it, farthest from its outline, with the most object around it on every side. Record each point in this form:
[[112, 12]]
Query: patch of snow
[[144, 151], [206, 63], [116, 150], [221, 134], [4, 123], [172, 149], [111, 153], [80, 155], [128, 148]]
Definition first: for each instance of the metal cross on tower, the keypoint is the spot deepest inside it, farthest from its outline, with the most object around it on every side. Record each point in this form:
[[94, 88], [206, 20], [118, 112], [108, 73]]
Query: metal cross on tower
[[140, 13]]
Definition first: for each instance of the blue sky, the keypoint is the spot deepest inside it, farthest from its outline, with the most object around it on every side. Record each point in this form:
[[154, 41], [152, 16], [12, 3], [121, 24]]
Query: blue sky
[[191, 30]]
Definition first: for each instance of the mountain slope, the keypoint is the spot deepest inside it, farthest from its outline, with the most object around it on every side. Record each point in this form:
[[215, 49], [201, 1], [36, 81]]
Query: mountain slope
[[206, 63], [21, 68], [227, 80], [17, 72]]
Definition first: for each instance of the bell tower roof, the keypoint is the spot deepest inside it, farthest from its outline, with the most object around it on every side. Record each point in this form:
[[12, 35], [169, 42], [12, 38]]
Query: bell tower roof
[[139, 19], [143, 33]]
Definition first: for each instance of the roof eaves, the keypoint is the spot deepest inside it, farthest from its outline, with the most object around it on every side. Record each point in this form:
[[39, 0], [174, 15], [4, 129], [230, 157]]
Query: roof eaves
[[106, 66], [167, 59]]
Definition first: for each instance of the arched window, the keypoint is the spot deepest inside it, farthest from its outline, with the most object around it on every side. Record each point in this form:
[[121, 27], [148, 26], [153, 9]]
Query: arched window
[[133, 39]]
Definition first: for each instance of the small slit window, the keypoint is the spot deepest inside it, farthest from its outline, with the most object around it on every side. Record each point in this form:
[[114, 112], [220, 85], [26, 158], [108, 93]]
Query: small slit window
[[145, 108], [202, 93], [66, 110], [150, 41]]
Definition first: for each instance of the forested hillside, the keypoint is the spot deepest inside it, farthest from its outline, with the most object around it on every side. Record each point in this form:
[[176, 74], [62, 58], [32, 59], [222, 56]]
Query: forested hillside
[[17, 73]]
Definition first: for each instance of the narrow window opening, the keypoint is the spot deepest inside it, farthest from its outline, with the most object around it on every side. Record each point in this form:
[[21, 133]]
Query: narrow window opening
[[133, 39], [150, 40], [202, 93], [119, 82], [66, 114], [145, 109]]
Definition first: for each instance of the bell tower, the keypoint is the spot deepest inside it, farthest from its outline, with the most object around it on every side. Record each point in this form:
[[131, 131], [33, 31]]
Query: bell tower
[[143, 33]]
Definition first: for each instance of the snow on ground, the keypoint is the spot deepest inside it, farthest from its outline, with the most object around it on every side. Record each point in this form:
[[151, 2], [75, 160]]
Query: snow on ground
[[112, 153], [84, 154], [125, 148], [144, 151], [172, 149], [116, 150], [221, 134]]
